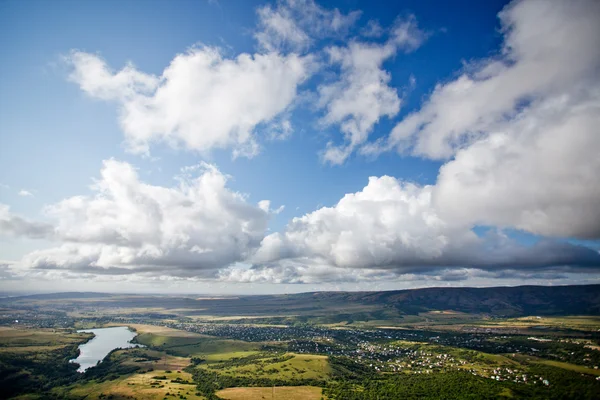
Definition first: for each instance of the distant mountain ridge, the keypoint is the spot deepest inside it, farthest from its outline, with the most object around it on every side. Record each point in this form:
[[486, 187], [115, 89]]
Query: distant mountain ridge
[[495, 301], [517, 300], [61, 296]]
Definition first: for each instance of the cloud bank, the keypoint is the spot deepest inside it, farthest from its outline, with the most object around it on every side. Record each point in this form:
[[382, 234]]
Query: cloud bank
[[394, 226]]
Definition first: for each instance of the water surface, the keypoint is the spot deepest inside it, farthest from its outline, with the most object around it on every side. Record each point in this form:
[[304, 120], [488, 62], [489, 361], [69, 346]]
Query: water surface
[[104, 341]]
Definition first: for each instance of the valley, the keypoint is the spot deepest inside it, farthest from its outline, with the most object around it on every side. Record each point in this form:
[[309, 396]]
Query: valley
[[348, 347]]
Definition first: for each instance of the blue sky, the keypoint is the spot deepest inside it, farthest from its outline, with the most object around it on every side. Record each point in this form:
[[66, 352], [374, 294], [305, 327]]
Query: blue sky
[[470, 198]]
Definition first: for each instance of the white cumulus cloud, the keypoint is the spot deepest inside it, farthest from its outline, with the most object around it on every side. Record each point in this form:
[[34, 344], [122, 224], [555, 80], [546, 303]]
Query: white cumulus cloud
[[294, 25], [190, 229], [520, 129], [393, 228], [362, 95], [550, 48], [201, 101], [25, 193], [538, 173], [14, 225]]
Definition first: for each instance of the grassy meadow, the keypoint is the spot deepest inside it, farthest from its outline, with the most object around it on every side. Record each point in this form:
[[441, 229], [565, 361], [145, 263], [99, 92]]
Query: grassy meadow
[[286, 366], [189, 344], [156, 384]]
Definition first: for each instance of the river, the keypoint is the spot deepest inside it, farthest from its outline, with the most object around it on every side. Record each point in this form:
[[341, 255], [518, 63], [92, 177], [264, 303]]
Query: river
[[104, 341]]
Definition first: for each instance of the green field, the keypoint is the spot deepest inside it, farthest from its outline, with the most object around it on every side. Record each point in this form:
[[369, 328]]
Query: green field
[[20, 339], [188, 344], [212, 346], [156, 384], [572, 367], [268, 366], [38, 345], [212, 357]]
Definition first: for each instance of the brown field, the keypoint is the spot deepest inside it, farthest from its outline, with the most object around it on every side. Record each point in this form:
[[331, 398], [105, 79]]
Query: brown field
[[84, 313], [204, 317], [218, 298], [270, 393], [393, 327], [444, 312], [160, 330]]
